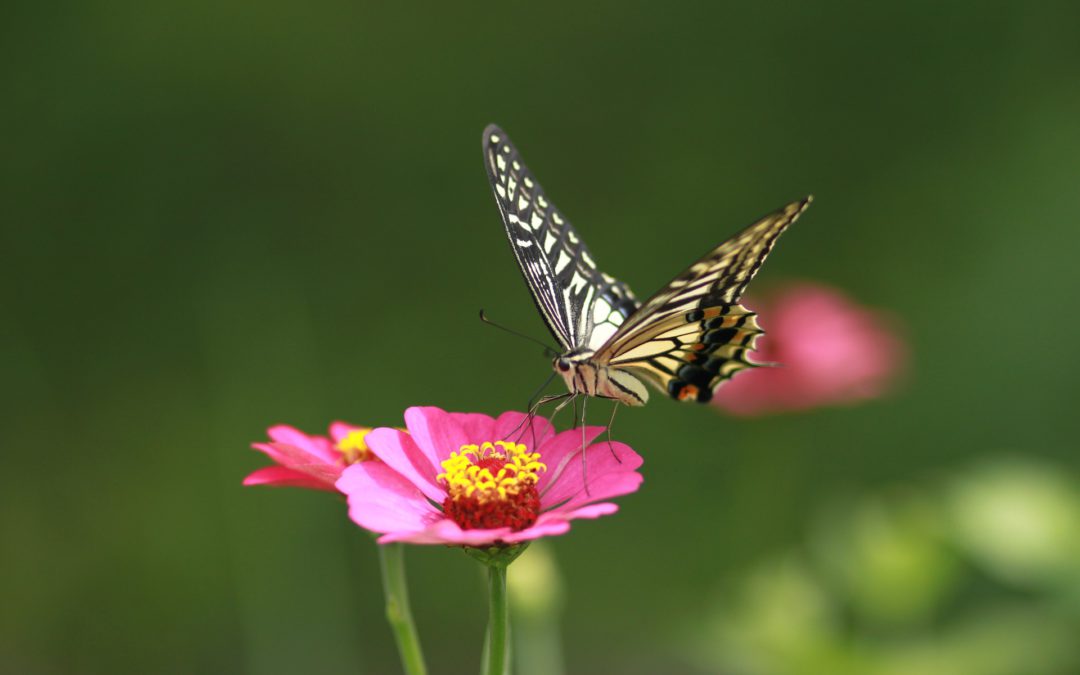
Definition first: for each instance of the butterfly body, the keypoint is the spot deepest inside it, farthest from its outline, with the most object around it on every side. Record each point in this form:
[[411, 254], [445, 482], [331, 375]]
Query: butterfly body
[[583, 375], [686, 340]]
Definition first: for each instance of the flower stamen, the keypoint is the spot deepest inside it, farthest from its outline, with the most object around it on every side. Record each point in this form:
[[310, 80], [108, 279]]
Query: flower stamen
[[492, 485], [354, 448]]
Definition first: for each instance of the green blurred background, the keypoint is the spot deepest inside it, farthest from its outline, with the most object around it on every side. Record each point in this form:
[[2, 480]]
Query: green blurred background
[[218, 216]]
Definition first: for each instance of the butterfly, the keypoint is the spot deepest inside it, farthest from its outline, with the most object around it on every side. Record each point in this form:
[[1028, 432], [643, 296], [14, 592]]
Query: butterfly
[[686, 340]]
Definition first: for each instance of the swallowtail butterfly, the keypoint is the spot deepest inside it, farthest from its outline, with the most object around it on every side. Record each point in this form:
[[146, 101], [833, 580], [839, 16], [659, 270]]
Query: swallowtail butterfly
[[687, 339]]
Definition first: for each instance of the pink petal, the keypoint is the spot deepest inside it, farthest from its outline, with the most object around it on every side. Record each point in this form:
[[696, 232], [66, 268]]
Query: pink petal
[[558, 522], [548, 529], [411, 537], [400, 451], [301, 460], [438, 433], [272, 452], [604, 487], [279, 476], [563, 450], [282, 433], [446, 531], [290, 455], [510, 426], [382, 500], [608, 477], [475, 427], [340, 430], [590, 511], [317, 446]]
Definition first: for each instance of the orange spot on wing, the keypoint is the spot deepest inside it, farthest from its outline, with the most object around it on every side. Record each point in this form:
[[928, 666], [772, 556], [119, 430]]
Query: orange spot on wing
[[687, 392]]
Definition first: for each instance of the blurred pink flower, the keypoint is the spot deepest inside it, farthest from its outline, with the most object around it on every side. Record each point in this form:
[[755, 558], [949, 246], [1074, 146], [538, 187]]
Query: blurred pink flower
[[314, 462], [457, 478], [828, 350]]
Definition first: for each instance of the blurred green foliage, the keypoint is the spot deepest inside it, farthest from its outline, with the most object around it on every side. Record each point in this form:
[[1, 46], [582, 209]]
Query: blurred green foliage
[[219, 215], [979, 576]]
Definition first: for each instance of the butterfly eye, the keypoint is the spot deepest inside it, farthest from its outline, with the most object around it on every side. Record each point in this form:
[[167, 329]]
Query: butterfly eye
[[562, 364]]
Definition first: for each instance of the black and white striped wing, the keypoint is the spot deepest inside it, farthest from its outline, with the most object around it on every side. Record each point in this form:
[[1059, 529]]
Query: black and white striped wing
[[582, 307], [692, 335]]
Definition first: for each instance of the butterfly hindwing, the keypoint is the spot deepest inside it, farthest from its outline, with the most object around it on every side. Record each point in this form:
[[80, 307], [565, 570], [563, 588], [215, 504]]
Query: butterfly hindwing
[[692, 335], [689, 357], [581, 306]]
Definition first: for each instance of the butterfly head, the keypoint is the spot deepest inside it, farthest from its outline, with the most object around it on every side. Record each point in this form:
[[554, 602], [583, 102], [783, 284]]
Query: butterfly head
[[567, 368]]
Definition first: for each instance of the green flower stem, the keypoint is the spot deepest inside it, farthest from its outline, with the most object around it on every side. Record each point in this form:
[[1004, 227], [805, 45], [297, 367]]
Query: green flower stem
[[398, 614], [496, 653]]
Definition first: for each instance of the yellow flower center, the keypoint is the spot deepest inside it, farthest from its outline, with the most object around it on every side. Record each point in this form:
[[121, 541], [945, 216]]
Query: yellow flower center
[[492, 485], [354, 448]]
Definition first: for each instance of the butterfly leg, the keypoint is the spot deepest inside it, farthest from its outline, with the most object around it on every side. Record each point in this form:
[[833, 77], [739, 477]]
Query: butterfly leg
[[531, 414], [584, 463], [533, 402], [569, 456], [569, 399], [559, 408], [611, 422]]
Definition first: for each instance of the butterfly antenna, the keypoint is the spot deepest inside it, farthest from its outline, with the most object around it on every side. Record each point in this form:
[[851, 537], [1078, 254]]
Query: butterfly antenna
[[548, 349]]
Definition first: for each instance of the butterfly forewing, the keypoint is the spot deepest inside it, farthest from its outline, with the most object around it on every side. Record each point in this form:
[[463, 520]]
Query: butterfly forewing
[[693, 335], [582, 307]]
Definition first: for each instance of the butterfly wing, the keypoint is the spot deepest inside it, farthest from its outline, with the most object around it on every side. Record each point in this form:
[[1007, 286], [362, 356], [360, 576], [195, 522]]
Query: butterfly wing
[[581, 306], [692, 335]]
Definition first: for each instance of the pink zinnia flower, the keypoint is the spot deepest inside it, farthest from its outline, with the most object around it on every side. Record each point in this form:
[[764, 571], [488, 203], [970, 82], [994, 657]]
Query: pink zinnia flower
[[829, 350], [314, 462], [471, 480]]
